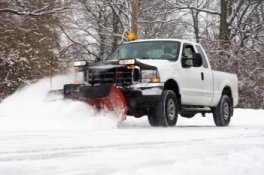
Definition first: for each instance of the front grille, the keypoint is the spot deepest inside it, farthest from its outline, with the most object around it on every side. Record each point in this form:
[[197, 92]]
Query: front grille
[[124, 76]]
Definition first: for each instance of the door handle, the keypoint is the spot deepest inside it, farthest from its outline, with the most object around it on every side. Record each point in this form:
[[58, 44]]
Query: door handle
[[202, 75]]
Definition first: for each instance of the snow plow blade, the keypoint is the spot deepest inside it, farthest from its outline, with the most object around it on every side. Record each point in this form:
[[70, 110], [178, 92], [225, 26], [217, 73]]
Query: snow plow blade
[[104, 97]]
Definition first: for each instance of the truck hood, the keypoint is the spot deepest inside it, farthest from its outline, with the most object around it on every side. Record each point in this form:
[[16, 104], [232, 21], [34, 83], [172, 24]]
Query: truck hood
[[105, 65], [162, 65], [155, 63]]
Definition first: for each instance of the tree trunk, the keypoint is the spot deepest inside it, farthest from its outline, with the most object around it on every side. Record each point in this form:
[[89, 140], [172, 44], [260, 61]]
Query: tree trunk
[[135, 12], [195, 14], [101, 36], [115, 30], [224, 31]]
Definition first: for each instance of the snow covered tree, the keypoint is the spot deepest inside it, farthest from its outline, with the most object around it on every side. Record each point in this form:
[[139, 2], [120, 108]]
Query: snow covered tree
[[37, 34], [28, 41]]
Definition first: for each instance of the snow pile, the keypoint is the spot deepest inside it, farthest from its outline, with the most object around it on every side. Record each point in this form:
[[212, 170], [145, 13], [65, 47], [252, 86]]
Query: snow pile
[[28, 109]]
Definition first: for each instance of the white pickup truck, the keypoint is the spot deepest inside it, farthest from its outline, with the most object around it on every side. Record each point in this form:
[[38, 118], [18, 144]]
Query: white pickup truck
[[161, 78]]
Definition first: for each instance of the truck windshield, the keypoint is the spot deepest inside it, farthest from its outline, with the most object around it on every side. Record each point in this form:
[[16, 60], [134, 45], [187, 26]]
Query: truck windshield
[[162, 50]]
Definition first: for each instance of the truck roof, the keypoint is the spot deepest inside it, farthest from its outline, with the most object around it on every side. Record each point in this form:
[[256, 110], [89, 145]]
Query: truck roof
[[179, 40]]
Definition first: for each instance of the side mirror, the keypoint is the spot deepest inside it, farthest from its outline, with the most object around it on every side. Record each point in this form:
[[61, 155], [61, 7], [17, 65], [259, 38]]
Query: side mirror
[[197, 60]]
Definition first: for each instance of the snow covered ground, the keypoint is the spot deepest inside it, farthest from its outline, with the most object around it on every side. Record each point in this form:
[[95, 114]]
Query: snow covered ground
[[71, 138]]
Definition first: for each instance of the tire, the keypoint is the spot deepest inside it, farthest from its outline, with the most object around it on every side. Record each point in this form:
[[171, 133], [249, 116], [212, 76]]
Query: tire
[[167, 109], [152, 118], [223, 111]]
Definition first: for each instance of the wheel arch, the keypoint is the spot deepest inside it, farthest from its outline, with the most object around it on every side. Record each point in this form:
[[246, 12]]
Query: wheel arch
[[227, 91], [172, 85]]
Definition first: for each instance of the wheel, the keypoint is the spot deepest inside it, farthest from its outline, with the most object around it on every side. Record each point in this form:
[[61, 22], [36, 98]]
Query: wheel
[[223, 111], [167, 109], [152, 118]]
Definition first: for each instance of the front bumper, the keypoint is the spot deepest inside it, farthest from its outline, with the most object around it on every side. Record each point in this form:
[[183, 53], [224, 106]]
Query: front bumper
[[141, 97]]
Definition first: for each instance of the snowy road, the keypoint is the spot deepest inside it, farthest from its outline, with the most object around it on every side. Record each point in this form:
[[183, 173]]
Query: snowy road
[[193, 147], [70, 138]]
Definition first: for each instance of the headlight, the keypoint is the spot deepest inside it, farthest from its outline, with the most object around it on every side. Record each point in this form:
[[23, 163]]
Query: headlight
[[79, 63], [150, 76], [78, 71]]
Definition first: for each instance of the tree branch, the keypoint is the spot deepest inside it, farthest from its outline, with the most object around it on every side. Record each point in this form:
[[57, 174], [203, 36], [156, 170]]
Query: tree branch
[[32, 13]]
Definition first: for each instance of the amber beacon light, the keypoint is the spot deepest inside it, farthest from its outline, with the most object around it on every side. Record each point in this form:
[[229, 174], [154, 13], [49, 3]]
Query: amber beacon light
[[131, 36]]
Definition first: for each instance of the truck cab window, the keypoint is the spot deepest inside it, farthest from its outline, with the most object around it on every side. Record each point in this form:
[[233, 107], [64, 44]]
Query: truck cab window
[[188, 52]]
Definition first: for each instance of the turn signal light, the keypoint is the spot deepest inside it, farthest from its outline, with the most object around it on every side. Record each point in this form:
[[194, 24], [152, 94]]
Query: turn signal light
[[131, 67], [155, 80]]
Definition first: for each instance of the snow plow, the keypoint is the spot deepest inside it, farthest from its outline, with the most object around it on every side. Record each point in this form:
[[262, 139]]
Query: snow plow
[[107, 85], [101, 94]]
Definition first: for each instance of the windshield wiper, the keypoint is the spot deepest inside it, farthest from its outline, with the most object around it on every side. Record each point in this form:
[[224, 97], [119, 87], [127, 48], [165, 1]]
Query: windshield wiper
[[146, 58]]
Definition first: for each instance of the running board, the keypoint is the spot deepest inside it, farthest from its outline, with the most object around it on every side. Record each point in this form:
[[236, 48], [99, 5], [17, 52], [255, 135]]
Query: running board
[[197, 110]]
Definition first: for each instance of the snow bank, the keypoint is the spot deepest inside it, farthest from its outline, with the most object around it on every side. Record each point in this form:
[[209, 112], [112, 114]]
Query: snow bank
[[27, 109]]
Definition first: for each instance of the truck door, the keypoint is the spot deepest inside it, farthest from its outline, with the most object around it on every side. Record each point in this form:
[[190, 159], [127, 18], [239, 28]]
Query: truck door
[[196, 82], [207, 77]]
